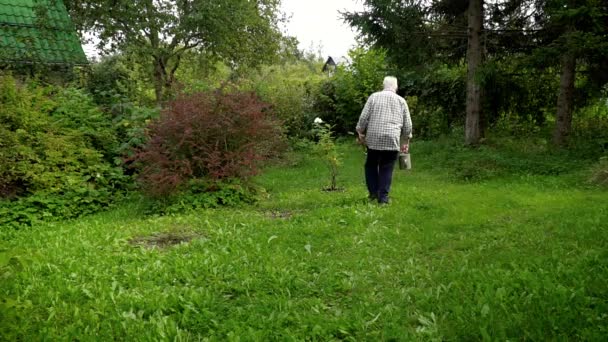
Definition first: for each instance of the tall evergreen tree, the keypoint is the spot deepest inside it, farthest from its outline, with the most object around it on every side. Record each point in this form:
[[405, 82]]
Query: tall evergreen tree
[[474, 60], [575, 33]]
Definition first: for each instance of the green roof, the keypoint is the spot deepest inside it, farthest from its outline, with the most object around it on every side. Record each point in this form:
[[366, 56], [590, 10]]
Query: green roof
[[38, 31]]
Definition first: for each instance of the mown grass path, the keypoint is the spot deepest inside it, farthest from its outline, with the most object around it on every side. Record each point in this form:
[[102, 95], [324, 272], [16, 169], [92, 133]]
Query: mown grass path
[[520, 258]]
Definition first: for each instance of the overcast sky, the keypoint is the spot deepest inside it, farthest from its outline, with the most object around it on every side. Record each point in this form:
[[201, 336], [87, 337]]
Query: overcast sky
[[316, 22]]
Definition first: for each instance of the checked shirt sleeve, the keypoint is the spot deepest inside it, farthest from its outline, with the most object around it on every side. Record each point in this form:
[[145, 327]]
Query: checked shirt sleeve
[[406, 129], [364, 117]]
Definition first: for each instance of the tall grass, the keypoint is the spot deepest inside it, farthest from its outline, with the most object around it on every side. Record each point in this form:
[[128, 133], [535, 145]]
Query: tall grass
[[476, 245]]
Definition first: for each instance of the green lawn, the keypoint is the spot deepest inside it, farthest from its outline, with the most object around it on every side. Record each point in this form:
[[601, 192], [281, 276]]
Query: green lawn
[[518, 257]]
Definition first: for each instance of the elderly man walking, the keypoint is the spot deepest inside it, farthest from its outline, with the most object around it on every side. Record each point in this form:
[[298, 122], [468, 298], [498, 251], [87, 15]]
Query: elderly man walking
[[384, 123]]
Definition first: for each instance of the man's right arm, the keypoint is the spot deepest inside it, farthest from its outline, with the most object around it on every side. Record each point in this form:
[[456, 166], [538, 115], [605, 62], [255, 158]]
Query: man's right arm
[[364, 118]]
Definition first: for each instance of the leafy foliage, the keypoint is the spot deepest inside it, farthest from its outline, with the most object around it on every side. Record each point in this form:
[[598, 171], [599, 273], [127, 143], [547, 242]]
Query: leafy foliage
[[205, 194], [600, 172], [111, 81], [291, 89], [76, 111], [56, 150], [213, 135], [57, 205], [436, 100], [161, 32], [383, 24], [501, 156], [524, 41], [590, 129], [342, 97]]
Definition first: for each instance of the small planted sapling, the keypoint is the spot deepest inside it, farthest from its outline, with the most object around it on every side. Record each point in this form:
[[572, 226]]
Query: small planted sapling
[[327, 150]]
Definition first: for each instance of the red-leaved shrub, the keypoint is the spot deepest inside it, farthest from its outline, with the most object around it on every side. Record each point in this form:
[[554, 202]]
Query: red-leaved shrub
[[213, 135]]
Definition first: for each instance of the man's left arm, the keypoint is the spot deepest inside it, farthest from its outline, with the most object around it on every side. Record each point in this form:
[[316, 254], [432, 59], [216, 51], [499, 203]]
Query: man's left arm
[[406, 129]]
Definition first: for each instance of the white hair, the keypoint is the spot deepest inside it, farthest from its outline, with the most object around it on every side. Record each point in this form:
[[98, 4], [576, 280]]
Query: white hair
[[390, 83]]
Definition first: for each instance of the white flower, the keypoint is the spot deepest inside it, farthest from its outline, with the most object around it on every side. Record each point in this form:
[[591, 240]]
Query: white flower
[[318, 120]]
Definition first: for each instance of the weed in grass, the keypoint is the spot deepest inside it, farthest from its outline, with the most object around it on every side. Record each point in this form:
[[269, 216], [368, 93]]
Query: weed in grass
[[600, 172]]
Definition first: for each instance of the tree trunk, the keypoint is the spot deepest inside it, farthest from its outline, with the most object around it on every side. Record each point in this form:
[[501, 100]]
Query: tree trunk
[[159, 80], [563, 124], [164, 79], [474, 55]]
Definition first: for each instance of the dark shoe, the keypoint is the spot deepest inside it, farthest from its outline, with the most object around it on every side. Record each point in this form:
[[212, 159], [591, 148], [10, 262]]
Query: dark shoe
[[383, 201]]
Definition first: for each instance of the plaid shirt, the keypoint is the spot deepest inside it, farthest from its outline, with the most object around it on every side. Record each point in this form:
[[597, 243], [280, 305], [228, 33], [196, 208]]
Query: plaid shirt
[[384, 119]]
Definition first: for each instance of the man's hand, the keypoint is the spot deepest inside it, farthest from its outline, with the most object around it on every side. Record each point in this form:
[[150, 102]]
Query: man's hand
[[405, 148], [361, 138]]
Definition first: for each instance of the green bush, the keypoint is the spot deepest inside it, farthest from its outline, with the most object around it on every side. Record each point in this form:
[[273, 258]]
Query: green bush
[[109, 79], [55, 146], [75, 111], [118, 79], [498, 157], [429, 121], [52, 206], [341, 98], [130, 123], [205, 194], [600, 172], [517, 102], [436, 98], [290, 89], [590, 129]]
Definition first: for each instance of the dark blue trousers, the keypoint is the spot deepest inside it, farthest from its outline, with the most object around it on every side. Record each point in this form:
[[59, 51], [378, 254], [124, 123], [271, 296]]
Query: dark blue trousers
[[379, 173]]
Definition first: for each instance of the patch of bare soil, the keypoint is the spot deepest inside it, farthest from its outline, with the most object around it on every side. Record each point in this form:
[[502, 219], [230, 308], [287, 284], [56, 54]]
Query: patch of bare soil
[[330, 189], [279, 214], [164, 240]]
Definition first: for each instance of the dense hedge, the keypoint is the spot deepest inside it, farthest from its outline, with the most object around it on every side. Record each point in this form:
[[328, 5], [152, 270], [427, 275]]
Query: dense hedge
[[56, 152]]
